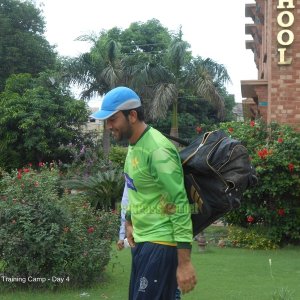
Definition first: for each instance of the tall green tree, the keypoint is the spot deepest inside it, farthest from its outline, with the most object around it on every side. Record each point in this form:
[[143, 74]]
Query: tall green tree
[[164, 74], [23, 48], [37, 118], [117, 57], [158, 65], [98, 71], [150, 37], [187, 76], [144, 46]]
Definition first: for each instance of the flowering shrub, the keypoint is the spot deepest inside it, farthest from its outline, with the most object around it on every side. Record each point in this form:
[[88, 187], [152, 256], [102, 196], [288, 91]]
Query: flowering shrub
[[85, 160], [274, 203], [46, 233], [250, 238]]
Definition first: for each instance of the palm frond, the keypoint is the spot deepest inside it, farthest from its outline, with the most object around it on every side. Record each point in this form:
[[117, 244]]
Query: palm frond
[[113, 50], [217, 71], [205, 88], [102, 189], [164, 95], [177, 55], [92, 38], [112, 75]]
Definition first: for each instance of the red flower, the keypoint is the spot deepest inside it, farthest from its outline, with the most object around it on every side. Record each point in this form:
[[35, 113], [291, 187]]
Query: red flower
[[30, 164], [41, 164], [250, 219], [280, 140], [19, 176], [281, 212], [198, 129], [252, 123], [26, 170], [291, 167], [91, 229], [263, 153], [230, 129]]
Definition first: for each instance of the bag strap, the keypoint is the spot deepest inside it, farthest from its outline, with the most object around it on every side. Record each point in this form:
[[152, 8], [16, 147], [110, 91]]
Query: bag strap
[[176, 139]]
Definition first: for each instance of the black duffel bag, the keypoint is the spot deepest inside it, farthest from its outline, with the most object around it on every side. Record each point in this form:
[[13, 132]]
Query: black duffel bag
[[217, 171]]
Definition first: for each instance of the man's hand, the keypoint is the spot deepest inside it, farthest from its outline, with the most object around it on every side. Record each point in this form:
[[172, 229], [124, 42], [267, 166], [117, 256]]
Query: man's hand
[[120, 245], [186, 275], [129, 233]]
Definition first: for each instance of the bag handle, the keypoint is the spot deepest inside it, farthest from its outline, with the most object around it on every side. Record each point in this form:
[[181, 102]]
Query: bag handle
[[176, 139]]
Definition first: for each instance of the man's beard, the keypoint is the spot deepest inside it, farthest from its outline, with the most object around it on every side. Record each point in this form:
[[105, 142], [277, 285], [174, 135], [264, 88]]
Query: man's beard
[[123, 135]]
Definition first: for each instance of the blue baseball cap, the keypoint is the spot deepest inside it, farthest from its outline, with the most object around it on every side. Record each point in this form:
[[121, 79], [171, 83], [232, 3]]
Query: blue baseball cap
[[120, 98]]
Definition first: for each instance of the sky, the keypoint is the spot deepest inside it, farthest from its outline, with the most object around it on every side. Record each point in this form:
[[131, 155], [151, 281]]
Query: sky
[[214, 29]]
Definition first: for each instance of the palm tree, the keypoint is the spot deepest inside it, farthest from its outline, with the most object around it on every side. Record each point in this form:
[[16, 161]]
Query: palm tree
[[167, 93], [160, 75], [98, 71], [180, 72]]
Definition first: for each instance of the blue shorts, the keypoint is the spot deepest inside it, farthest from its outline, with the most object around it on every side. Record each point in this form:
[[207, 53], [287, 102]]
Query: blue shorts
[[153, 272]]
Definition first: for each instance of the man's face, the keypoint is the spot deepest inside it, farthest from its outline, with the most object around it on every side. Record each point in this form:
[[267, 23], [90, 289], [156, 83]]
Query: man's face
[[119, 126]]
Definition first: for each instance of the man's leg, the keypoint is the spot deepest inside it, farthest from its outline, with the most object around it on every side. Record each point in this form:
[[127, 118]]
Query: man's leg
[[153, 274]]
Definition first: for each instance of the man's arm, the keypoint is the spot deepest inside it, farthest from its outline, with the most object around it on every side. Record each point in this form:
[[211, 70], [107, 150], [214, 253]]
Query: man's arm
[[186, 275], [129, 233], [122, 231]]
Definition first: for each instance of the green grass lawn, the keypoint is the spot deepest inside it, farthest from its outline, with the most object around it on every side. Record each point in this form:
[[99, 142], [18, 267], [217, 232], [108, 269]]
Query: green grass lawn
[[223, 274]]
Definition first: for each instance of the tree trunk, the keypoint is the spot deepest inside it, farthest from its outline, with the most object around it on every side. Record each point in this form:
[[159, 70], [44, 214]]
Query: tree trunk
[[106, 140], [174, 123]]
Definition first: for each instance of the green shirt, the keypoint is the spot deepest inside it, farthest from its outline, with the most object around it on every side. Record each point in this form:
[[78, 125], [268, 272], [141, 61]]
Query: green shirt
[[158, 203]]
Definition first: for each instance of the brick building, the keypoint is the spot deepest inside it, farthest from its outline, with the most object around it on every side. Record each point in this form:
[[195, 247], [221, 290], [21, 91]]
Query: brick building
[[276, 48]]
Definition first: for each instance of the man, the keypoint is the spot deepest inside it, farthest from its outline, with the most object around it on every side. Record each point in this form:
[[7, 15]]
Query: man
[[122, 233], [158, 222]]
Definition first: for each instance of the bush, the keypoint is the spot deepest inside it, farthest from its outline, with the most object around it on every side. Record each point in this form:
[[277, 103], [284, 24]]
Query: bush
[[44, 118], [47, 233], [85, 159], [117, 155], [251, 238], [275, 202], [103, 190]]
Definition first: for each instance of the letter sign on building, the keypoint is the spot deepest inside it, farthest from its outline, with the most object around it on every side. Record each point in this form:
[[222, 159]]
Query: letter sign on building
[[282, 6], [285, 37]]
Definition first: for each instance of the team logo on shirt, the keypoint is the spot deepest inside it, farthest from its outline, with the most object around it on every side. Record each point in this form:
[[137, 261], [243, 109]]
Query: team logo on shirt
[[134, 162], [143, 284], [129, 182]]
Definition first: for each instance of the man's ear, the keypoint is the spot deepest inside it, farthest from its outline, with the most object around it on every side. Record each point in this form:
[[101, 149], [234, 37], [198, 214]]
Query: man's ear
[[132, 116]]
